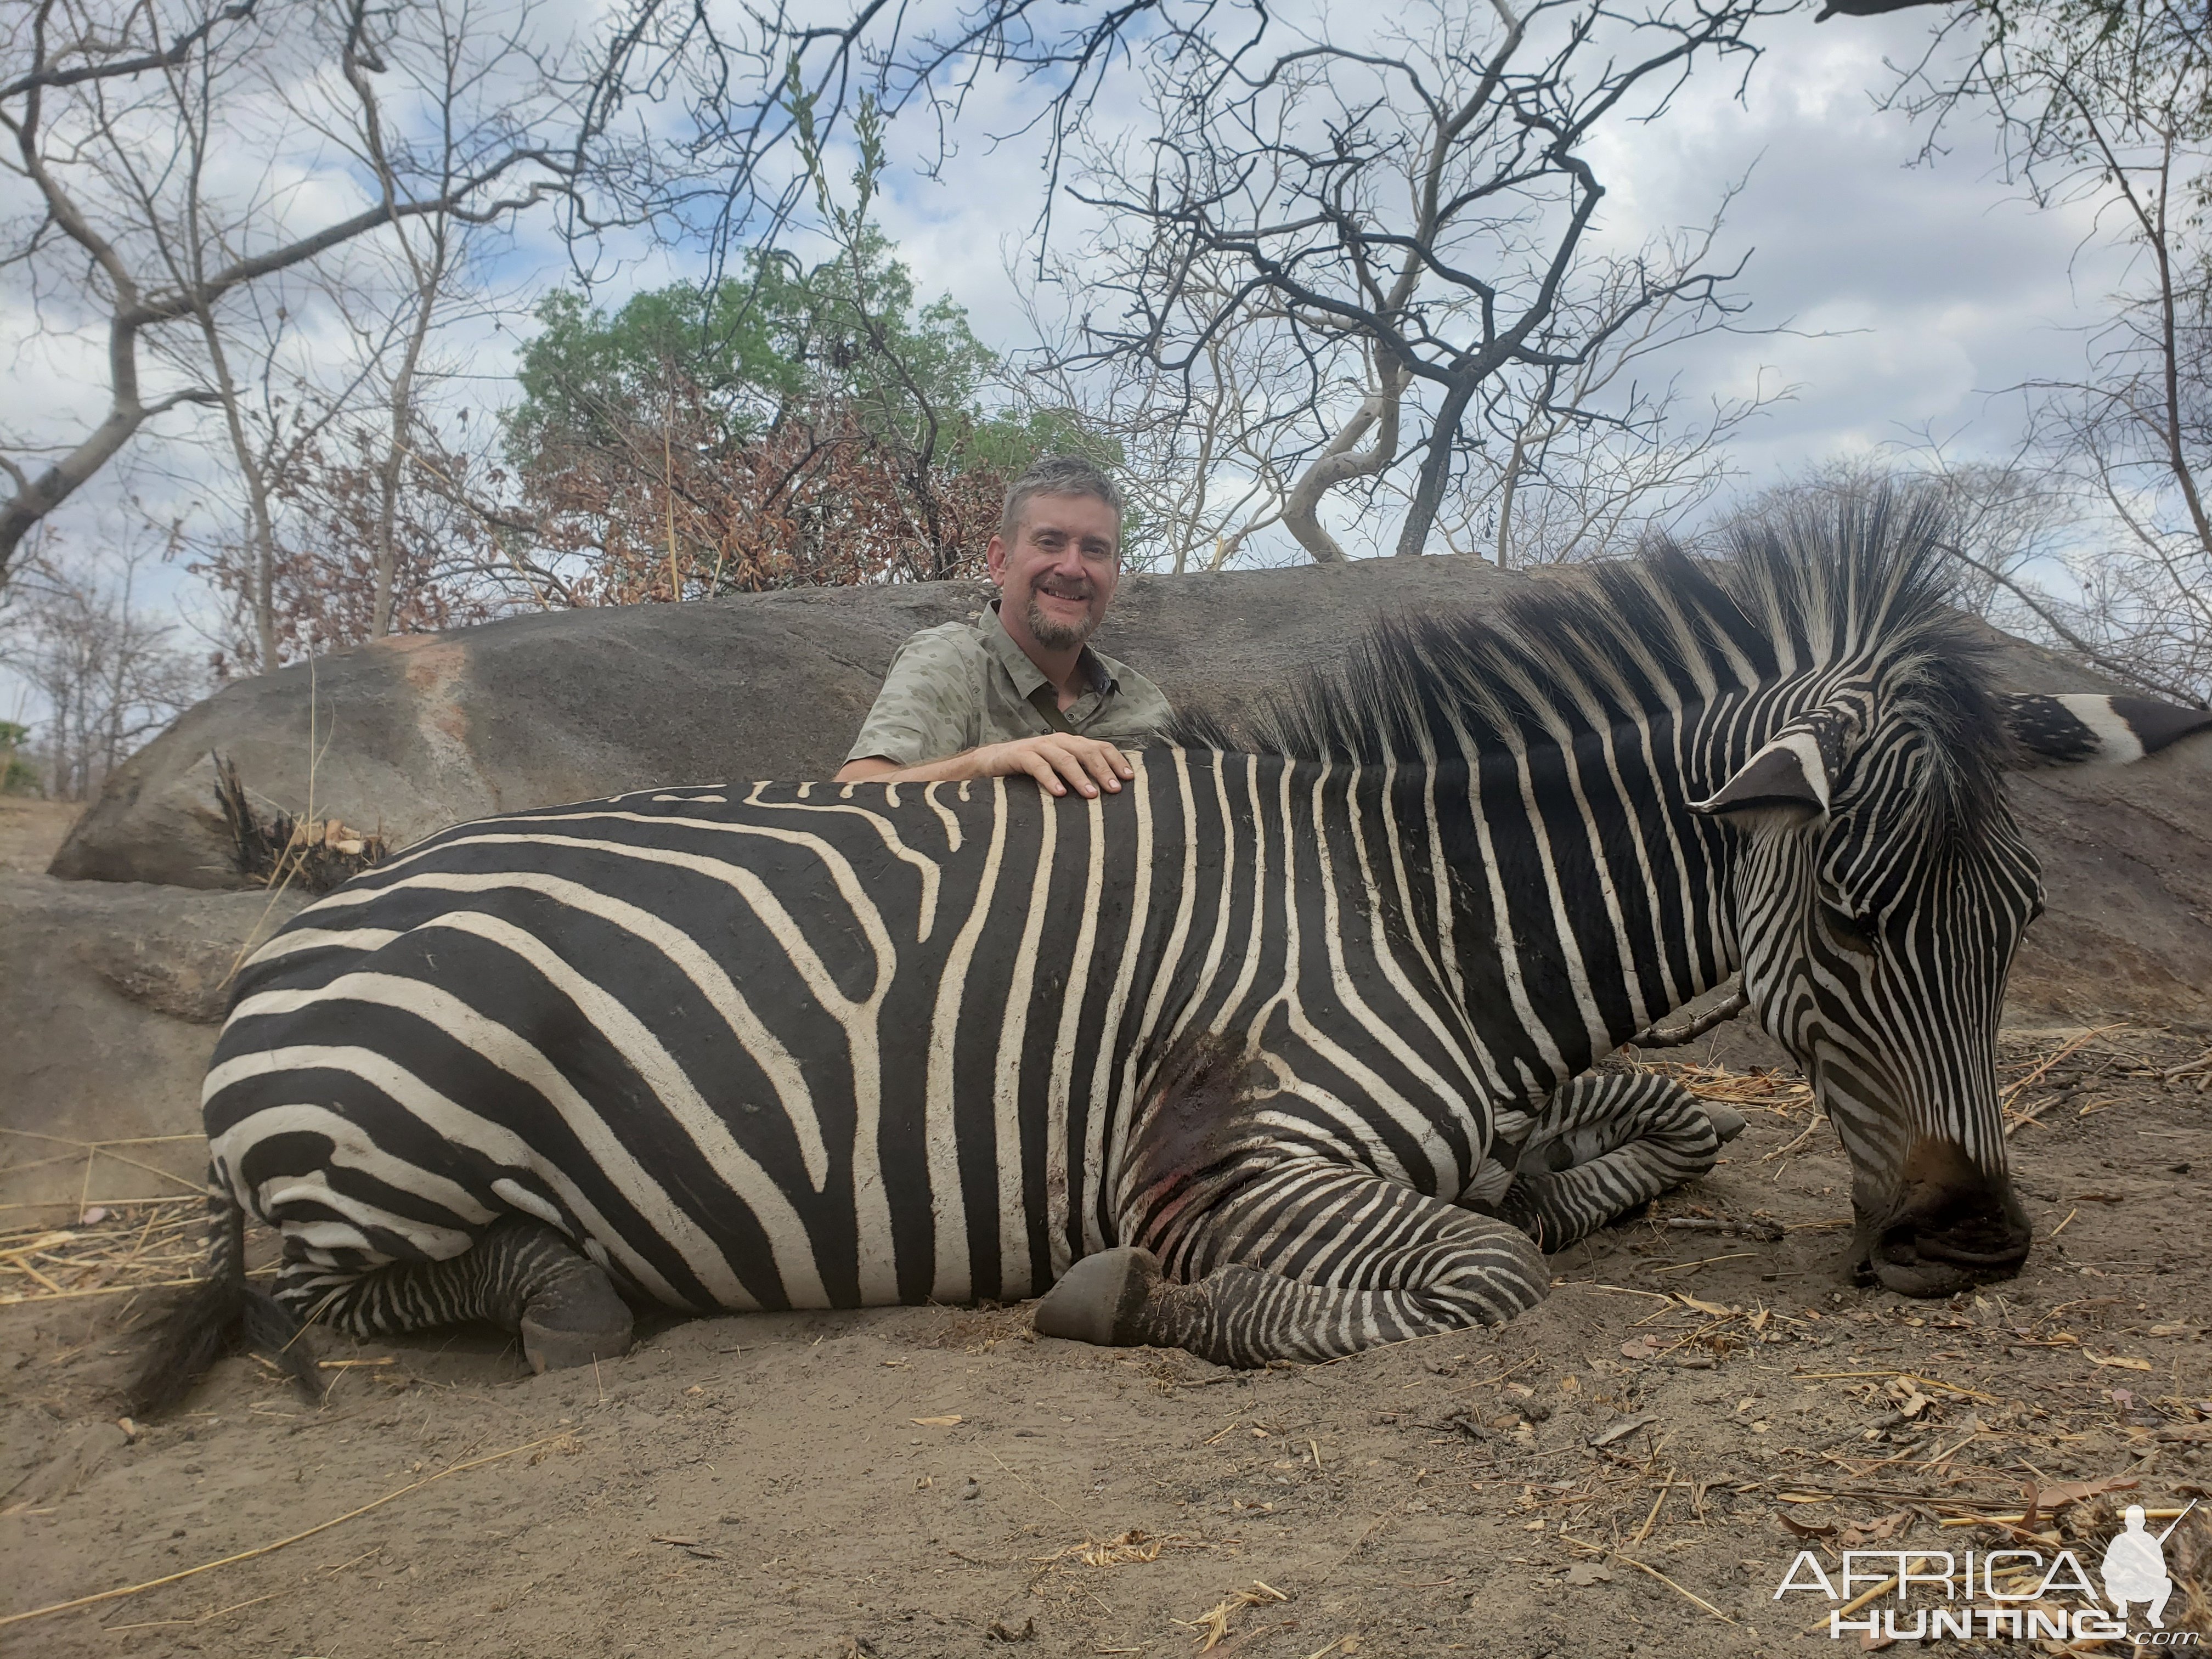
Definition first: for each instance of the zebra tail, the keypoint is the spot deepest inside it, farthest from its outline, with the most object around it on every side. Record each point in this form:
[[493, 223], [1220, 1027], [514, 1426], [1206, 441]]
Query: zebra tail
[[220, 1315]]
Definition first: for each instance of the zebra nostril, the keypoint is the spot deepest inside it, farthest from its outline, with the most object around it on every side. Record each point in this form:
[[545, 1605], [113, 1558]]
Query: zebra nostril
[[1936, 1254], [1950, 1225], [1986, 1241]]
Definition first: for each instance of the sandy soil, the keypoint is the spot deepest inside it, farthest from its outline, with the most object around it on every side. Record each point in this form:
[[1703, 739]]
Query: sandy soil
[[1610, 1475], [31, 830]]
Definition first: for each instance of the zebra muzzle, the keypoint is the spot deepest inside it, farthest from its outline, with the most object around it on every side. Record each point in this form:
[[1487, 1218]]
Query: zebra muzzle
[[1951, 1227]]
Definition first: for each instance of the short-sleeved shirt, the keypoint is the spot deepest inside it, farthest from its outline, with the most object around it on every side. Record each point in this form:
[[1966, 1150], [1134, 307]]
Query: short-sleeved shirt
[[964, 683]]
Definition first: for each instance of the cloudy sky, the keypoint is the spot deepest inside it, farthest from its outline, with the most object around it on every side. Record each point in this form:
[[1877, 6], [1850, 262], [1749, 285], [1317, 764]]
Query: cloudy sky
[[1913, 293]]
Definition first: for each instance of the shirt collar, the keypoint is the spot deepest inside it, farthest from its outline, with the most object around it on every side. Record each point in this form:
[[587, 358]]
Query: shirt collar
[[1027, 676]]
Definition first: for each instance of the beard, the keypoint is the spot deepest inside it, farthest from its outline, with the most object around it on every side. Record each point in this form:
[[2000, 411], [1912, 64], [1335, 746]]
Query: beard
[[1056, 636]]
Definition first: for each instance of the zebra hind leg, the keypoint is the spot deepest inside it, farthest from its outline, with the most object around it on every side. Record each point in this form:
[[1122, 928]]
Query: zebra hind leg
[[1607, 1142], [520, 1276], [1309, 1262]]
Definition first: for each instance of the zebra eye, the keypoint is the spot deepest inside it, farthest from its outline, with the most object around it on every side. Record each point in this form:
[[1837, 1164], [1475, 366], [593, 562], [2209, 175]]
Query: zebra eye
[[1852, 933]]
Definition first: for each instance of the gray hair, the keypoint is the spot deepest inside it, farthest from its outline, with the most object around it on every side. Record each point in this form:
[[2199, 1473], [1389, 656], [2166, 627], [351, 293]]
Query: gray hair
[[1056, 475]]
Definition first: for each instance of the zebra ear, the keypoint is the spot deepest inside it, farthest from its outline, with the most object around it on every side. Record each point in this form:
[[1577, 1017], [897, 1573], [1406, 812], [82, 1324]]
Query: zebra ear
[[2083, 730], [1785, 782]]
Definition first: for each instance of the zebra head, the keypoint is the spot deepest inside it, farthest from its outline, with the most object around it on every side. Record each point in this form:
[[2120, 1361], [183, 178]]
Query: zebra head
[[1881, 887]]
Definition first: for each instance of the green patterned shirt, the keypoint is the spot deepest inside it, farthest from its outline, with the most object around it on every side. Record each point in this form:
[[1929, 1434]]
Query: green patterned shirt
[[965, 683]]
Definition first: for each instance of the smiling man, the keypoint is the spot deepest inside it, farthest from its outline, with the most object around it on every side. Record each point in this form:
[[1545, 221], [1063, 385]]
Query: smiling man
[[1018, 691]]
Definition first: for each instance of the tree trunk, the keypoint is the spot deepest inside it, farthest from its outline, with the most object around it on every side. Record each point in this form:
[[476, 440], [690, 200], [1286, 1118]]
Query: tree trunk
[[1505, 497], [1435, 468], [1340, 463]]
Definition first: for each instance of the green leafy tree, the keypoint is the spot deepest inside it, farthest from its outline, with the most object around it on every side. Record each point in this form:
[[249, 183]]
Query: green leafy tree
[[785, 426]]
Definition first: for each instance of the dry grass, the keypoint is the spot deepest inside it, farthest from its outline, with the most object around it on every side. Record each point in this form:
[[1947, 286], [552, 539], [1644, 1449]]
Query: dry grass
[[1212, 1626], [128, 1245], [1782, 1093]]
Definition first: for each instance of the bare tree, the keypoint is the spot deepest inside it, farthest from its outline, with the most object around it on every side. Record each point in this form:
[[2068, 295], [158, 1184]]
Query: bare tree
[[109, 676], [1572, 459], [2028, 549], [2109, 103], [724, 70], [123, 116], [1413, 211], [1194, 450]]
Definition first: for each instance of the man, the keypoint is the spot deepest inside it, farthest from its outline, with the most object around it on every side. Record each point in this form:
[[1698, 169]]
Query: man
[[1018, 692]]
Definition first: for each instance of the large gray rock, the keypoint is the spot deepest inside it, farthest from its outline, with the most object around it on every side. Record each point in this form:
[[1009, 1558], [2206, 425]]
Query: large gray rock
[[112, 993], [424, 730]]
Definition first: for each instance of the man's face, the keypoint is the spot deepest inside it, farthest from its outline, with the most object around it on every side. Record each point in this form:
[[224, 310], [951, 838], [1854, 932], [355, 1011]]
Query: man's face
[[1058, 575]]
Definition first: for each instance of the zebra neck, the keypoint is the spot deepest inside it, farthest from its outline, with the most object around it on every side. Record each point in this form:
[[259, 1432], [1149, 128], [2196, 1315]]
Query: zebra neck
[[1584, 899]]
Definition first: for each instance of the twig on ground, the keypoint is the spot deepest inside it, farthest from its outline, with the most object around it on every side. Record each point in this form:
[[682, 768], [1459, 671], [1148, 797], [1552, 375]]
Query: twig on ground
[[1612, 1554], [1656, 1036], [268, 1549]]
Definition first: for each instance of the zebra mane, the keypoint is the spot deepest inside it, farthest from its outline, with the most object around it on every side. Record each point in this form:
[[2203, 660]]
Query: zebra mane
[[1861, 590]]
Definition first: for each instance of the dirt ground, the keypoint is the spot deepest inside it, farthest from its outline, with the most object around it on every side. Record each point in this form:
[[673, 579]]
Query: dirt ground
[[33, 830], [1628, 1470]]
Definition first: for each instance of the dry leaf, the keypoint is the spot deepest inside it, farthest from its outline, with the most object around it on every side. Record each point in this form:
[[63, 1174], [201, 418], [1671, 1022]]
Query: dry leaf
[[1621, 1428], [1860, 1534], [2051, 1499], [1638, 1347], [945, 1422], [1911, 1402], [2124, 1361], [1805, 1528]]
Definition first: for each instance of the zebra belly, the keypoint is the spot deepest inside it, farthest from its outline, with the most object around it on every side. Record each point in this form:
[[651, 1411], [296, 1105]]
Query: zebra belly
[[756, 1057]]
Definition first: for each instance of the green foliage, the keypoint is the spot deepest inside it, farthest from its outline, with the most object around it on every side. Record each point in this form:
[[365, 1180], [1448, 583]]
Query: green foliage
[[17, 776], [782, 426], [749, 352]]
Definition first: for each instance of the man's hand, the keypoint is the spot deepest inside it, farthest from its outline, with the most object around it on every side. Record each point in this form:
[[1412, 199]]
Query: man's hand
[[1057, 760]]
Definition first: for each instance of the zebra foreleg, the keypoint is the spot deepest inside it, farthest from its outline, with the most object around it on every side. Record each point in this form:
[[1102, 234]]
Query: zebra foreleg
[[520, 1276], [1605, 1143], [1320, 1263]]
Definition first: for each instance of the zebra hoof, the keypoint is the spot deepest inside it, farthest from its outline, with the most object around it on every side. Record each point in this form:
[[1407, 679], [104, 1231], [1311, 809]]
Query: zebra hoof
[[574, 1324], [548, 1349], [1101, 1299], [1728, 1122]]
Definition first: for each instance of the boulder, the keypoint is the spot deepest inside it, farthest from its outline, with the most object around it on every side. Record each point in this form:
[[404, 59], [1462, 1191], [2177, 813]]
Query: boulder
[[423, 730], [113, 991], [2127, 865]]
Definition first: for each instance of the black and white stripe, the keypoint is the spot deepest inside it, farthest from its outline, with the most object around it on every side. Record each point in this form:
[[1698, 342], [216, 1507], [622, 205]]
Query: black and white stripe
[[1279, 1041]]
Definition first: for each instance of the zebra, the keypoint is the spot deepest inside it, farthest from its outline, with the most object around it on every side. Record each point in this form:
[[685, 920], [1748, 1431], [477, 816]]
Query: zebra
[[1283, 1052]]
